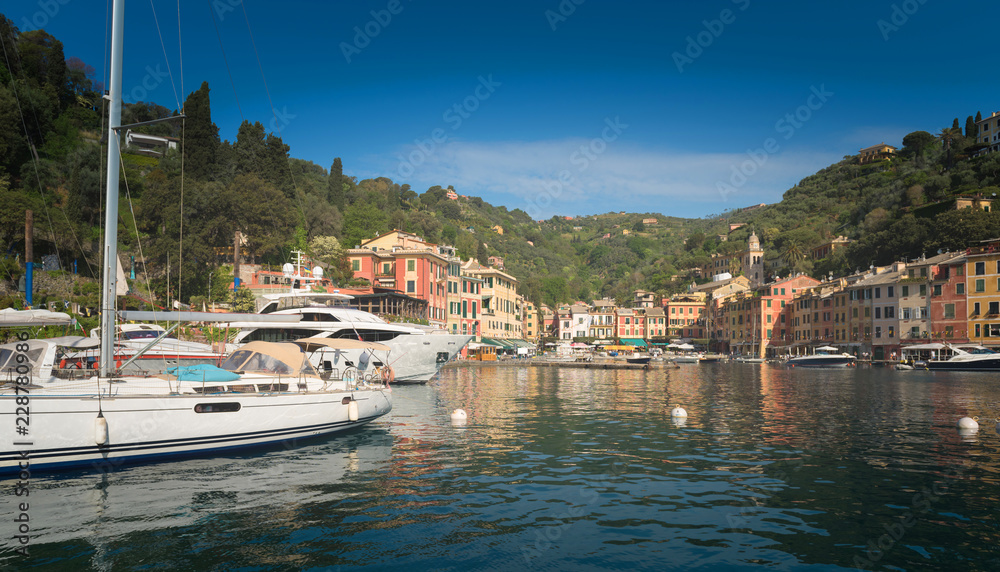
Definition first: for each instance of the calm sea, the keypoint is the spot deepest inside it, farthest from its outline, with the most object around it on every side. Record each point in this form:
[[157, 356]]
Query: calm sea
[[571, 469]]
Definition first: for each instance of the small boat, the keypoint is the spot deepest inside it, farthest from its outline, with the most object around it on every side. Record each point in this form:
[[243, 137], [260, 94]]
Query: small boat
[[748, 359], [825, 356], [687, 358], [638, 358], [904, 366], [712, 358]]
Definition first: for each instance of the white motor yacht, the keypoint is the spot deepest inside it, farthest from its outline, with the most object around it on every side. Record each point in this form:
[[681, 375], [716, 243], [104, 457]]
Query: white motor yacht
[[417, 353]]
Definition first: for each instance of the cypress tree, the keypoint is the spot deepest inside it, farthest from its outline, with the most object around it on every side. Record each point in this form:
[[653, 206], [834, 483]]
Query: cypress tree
[[336, 193], [970, 128], [201, 136]]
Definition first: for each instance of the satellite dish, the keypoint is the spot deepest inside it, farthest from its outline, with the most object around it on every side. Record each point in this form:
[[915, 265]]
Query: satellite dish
[[288, 269], [318, 272]]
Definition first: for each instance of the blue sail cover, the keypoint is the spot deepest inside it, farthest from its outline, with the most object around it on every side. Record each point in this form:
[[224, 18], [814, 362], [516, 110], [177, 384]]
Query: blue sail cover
[[202, 372]]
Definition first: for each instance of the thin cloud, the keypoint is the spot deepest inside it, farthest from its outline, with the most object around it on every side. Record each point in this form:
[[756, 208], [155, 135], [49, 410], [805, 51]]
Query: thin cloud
[[569, 177]]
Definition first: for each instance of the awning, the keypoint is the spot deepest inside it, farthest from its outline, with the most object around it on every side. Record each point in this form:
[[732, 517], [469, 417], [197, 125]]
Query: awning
[[505, 344], [634, 342]]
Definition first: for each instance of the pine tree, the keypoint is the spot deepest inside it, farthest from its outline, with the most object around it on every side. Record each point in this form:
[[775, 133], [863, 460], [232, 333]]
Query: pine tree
[[954, 124], [201, 136]]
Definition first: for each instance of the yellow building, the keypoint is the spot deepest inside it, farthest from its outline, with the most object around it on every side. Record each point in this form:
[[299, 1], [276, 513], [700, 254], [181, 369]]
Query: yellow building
[[876, 153], [982, 271], [501, 309]]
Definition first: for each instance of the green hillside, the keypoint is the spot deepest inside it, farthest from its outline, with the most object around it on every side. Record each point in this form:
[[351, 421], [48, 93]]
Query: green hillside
[[890, 209]]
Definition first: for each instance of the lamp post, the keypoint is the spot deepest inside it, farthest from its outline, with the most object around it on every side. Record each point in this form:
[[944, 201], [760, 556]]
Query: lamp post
[[210, 272]]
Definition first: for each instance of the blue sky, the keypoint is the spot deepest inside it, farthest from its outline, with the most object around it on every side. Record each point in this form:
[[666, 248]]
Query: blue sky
[[562, 107]]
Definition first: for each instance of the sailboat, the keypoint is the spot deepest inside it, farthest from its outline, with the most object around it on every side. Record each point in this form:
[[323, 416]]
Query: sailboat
[[263, 394]]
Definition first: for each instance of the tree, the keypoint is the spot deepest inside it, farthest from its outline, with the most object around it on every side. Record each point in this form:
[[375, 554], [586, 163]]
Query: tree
[[328, 250], [914, 143], [363, 221], [947, 136], [482, 254], [450, 210], [971, 131], [337, 194], [201, 136], [242, 301]]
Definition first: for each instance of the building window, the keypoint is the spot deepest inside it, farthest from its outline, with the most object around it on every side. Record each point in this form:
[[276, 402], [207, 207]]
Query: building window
[[878, 292], [960, 289], [878, 331], [937, 289], [980, 284], [892, 332], [891, 291], [411, 265], [994, 308], [905, 291], [980, 268], [906, 313], [356, 265], [975, 309], [878, 313], [949, 311], [411, 286]]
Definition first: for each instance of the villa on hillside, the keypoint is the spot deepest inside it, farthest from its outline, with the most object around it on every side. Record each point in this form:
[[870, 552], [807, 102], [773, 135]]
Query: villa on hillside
[[988, 129], [876, 153]]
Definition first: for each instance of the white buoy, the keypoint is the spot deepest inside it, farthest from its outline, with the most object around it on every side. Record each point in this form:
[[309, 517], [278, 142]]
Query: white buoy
[[101, 430], [969, 423], [678, 412], [352, 410], [679, 421], [458, 417]]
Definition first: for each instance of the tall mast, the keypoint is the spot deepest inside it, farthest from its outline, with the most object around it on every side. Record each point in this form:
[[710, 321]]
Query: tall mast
[[110, 281]]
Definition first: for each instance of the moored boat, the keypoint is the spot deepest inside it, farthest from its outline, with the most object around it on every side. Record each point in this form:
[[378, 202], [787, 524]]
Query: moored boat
[[826, 356], [967, 358], [264, 394]]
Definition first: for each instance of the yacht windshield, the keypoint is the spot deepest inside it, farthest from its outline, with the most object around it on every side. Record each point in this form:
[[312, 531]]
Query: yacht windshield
[[243, 360]]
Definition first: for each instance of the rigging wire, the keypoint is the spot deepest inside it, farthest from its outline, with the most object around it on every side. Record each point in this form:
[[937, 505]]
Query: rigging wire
[[170, 73], [173, 86], [274, 113], [225, 59]]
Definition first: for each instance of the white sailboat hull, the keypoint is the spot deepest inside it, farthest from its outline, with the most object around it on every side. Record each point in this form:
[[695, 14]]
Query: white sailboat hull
[[62, 428]]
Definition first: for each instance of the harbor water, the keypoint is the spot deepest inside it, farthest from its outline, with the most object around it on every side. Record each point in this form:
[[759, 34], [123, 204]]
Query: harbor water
[[568, 469]]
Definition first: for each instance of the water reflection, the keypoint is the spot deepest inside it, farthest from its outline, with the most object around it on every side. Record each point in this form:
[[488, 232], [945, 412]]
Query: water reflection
[[576, 469]]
